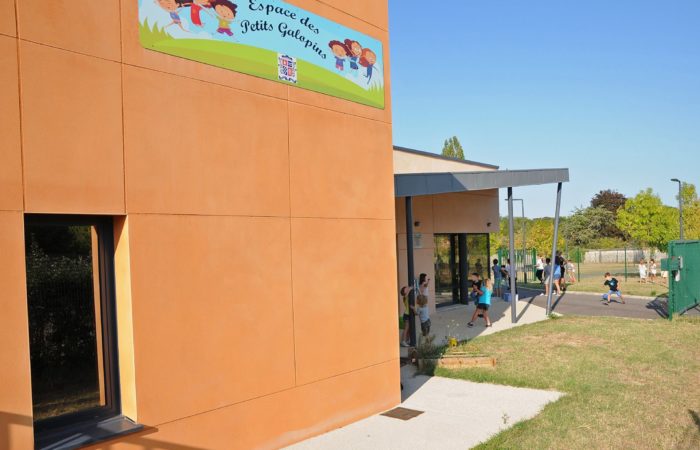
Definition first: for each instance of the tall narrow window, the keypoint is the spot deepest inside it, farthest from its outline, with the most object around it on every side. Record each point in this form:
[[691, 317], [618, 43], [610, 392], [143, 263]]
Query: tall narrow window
[[70, 294]]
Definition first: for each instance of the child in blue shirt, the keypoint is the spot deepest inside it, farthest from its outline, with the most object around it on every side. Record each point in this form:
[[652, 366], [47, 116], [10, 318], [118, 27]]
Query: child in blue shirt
[[614, 289], [482, 308]]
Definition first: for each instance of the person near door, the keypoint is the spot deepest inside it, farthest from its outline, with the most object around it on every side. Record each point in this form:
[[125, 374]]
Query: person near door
[[476, 288], [424, 285], [405, 292], [497, 278]]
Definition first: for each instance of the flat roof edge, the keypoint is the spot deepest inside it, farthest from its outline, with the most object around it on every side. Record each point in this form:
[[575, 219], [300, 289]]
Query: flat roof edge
[[446, 158], [418, 184]]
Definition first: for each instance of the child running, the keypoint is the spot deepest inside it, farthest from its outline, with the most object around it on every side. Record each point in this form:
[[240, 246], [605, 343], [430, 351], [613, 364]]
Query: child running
[[482, 308], [614, 289], [423, 313]]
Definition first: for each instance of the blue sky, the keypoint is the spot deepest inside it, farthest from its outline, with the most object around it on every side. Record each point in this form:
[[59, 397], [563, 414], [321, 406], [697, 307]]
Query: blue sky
[[609, 89]]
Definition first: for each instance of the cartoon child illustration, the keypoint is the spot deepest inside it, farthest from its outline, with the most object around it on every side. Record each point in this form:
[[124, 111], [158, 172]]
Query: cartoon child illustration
[[341, 51], [368, 59], [355, 52], [172, 7], [225, 11], [196, 8]]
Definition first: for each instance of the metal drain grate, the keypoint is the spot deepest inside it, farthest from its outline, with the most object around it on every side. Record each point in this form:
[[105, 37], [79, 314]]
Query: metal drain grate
[[402, 413]]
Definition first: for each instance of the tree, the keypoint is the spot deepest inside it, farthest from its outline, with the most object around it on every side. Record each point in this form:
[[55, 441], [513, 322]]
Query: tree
[[540, 236], [453, 148], [611, 201], [587, 224], [540, 233], [648, 221], [691, 211]]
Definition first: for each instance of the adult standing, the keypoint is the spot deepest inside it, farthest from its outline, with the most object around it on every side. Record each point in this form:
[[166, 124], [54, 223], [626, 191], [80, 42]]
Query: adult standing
[[512, 273], [497, 278], [405, 291], [479, 268], [550, 271], [539, 273], [561, 262]]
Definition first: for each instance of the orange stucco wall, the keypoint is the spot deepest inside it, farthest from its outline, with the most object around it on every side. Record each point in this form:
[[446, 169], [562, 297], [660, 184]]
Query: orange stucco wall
[[467, 212], [246, 249]]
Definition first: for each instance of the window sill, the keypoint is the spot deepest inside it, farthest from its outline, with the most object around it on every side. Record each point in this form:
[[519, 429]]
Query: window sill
[[80, 435]]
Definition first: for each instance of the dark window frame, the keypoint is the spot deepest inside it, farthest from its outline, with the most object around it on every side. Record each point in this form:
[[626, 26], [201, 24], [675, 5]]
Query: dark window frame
[[87, 422]]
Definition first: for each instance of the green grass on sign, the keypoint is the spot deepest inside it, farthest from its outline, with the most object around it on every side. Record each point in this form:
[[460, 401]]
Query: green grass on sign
[[260, 63]]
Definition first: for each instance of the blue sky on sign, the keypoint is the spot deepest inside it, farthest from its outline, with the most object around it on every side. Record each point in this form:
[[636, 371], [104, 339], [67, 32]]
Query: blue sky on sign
[[609, 89]]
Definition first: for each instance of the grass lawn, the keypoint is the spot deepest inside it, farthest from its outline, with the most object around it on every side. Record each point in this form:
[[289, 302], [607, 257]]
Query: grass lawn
[[628, 383], [590, 279]]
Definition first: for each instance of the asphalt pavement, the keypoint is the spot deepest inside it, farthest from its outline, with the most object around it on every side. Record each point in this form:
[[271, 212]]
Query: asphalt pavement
[[585, 304]]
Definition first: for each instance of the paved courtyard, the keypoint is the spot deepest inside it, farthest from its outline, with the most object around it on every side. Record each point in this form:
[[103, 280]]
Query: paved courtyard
[[452, 320], [455, 415], [589, 304]]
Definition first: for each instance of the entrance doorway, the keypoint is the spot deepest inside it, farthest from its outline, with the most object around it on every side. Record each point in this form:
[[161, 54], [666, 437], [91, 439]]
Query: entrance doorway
[[457, 256]]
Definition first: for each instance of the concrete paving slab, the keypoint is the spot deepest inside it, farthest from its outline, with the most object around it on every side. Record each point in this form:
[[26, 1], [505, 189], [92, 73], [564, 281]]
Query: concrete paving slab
[[457, 415], [452, 320]]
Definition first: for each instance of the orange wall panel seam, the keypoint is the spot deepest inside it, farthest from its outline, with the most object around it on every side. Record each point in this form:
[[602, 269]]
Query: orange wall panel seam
[[281, 391]]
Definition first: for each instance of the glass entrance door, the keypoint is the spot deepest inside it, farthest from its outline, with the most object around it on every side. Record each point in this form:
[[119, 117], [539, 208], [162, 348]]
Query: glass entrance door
[[446, 269], [478, 254], [447, 265]]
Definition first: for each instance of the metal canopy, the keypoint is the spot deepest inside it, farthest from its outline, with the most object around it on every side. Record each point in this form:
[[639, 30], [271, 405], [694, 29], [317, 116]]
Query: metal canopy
[[414, 185], [417, 184]]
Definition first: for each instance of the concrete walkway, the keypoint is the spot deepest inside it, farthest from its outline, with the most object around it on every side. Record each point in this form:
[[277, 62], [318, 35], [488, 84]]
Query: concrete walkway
[[452, 320], [455, 415]]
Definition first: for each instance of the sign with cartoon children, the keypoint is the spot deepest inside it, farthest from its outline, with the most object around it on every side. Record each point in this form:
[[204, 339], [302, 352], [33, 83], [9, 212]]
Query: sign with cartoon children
[[269, 39]]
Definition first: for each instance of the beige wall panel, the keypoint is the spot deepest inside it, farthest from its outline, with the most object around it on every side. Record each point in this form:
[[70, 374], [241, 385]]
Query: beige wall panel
[[88, 27], [212, 312], [340, 165], [15, 376], [407, 162], [10, 147], [200, 148], [422, 212], [344, 290], [424, 260], [468, 212], [72, 131]]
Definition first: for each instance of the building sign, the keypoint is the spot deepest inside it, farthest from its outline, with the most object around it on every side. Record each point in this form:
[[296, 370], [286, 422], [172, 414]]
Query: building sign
[[269, 39]]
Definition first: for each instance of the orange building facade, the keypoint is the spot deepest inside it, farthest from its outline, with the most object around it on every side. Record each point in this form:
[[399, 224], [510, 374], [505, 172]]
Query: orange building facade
[[239, 244]]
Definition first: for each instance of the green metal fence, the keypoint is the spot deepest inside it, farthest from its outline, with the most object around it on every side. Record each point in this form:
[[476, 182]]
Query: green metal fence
[[683, 266], [525, 264]]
